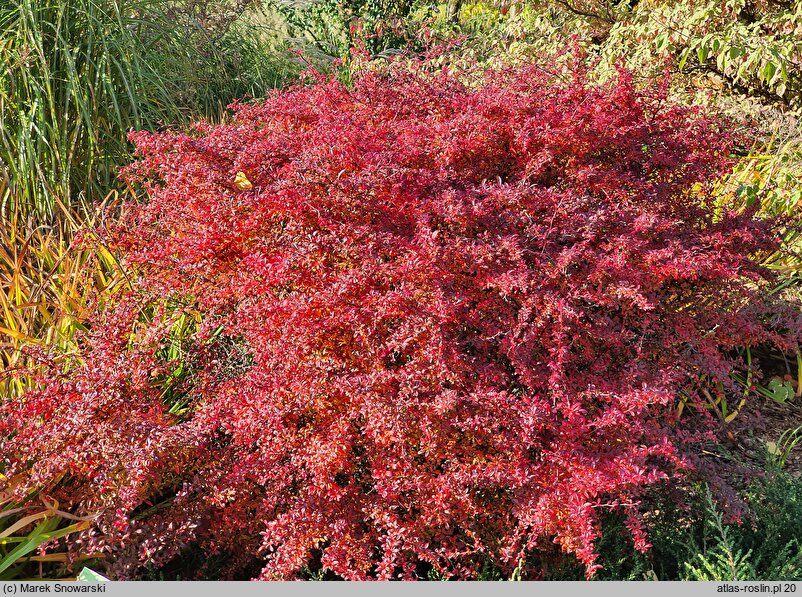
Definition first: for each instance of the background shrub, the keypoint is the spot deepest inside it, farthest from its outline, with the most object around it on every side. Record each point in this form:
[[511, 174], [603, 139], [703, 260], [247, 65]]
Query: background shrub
[[405, 324]]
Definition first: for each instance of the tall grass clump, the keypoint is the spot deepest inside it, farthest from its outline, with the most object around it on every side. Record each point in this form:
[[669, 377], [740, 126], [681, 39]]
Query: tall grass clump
[[76, 75], [47, 281]]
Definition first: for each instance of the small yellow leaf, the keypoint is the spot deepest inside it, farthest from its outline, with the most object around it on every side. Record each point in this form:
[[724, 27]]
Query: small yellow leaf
[[241, 182]]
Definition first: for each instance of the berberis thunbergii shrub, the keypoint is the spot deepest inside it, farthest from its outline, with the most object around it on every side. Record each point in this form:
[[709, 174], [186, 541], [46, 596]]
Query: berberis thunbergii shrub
[[405, 321]]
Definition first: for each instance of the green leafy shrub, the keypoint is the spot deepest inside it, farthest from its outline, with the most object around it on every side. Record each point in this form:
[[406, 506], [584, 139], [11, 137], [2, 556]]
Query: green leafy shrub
[[765, 546], [692, 538], [334, 28]]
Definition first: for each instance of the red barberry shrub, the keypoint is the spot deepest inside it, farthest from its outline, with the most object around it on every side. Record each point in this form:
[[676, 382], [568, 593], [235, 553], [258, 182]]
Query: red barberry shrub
[[427, 323]]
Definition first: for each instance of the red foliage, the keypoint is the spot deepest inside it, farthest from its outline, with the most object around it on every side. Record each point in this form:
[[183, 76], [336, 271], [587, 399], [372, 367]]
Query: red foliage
[[446, 323]]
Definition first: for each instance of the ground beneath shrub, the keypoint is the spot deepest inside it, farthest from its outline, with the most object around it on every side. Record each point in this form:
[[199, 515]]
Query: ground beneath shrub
[[762, 425]]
